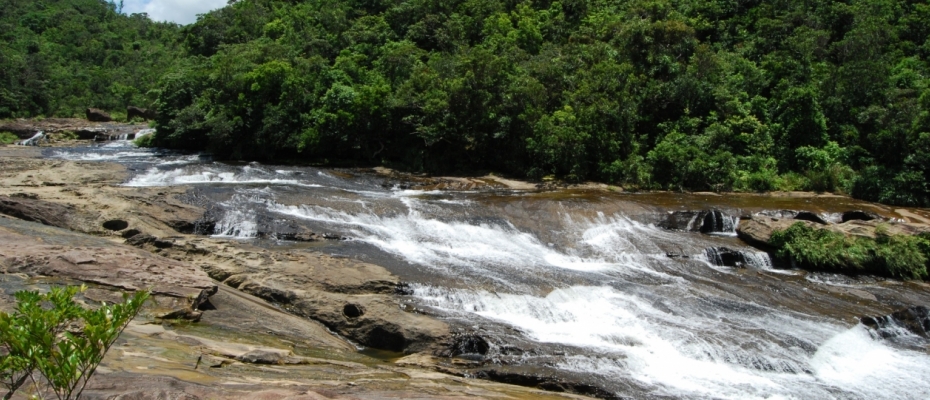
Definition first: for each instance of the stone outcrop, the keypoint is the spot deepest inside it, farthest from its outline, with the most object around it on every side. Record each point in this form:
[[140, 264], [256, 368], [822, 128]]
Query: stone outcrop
[[37, 250], [143, 113], [757, 230], [97, 115], [355, 299], [32, 209]]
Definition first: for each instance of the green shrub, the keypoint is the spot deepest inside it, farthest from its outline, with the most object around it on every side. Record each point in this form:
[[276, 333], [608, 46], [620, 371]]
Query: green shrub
[[68, 135], [898, 256], [8, 138], [35, 338], [145, 141]]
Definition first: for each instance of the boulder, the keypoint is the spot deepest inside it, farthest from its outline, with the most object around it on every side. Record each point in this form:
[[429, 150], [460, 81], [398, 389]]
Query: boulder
[[798, 215], [466, 345], [96, 115], [143, 113], [757, 230]]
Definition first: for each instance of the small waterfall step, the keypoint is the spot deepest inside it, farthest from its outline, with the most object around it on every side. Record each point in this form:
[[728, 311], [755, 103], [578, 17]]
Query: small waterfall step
[[705, 221], [727, 257]]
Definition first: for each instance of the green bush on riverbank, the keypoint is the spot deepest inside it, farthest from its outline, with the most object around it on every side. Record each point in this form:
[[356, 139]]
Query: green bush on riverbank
[[8, 138], [898, 256]]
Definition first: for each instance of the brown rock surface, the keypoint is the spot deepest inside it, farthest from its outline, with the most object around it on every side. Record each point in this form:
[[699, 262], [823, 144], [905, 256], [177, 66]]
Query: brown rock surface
[[315, 286], [757, 230], [38, 250], [311, 285], [97, 115]]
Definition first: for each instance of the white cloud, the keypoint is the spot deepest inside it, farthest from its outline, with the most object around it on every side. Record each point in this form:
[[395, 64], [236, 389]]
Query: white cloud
[[180, 11]]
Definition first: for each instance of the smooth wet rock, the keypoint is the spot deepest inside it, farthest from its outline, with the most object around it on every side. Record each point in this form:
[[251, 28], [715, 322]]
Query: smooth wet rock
[[465, 345]]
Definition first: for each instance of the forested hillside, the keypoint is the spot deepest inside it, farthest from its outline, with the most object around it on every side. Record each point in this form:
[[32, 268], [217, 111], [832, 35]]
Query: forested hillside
[[717, 95], [58, 57]]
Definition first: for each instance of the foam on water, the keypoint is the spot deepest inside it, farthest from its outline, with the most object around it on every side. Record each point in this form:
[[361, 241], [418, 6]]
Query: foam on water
[[862, 364], [433, 242], [245, 176], [699, 356]]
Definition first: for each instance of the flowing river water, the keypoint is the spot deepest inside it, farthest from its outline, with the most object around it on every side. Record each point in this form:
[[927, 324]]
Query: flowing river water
[[580, 284]]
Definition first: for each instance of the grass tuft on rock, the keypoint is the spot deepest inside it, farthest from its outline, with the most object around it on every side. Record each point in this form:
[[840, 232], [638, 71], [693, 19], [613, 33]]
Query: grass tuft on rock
[[897, 256], [8, 138]]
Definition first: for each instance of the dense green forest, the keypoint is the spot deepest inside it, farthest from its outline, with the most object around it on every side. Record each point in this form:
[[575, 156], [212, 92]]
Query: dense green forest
[[720, 95], [59, 57]]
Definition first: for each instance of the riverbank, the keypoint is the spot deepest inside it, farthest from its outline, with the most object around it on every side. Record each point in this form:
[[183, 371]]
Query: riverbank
[[231, 351], [362, 299]]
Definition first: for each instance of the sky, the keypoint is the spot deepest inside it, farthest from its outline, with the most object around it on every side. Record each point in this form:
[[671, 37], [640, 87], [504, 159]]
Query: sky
[[181, 11]]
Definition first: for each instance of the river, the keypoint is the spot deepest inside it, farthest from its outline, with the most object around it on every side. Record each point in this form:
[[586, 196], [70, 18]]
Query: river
[[580, 284]]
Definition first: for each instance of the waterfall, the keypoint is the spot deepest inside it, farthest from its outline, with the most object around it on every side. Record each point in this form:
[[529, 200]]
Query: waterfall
[[34, 140], [726, 257], [716, 222], [576, 289]]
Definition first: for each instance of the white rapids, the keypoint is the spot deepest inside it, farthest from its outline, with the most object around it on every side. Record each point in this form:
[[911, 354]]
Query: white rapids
[[600, 287]]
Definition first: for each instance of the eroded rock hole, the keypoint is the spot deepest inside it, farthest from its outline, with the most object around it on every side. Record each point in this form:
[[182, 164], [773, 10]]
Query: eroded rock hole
[[352, 311], [115, 225]]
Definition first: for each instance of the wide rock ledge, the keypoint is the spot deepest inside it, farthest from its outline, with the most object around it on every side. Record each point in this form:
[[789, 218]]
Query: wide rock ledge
[[38, 250]]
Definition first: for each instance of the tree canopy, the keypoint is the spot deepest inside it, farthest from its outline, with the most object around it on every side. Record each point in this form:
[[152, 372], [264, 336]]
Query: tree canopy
[[718, 95]]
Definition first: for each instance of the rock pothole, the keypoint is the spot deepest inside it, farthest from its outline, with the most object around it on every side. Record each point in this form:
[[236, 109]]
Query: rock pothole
[[115, 225], [353, 310]]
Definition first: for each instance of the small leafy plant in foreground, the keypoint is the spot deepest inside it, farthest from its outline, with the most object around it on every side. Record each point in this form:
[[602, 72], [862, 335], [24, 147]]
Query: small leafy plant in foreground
[[55, 344]]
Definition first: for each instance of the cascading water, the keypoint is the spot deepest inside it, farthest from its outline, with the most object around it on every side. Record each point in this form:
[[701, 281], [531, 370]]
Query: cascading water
[[725, 257], [565, 287], [716, 222], [34, 140]]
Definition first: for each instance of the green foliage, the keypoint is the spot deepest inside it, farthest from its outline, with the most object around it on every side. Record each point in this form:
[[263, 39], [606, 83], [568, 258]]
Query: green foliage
[[898, 256], [8, 138], [53, 335], [145, 141], [58, 58], [823, 95], [68, 135]]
